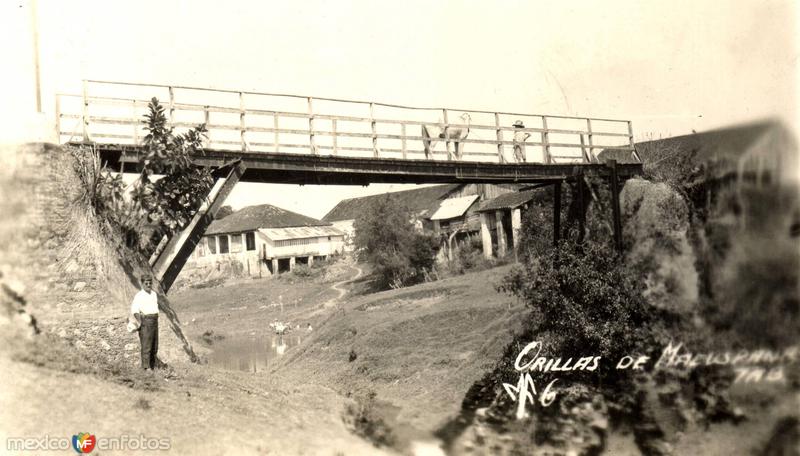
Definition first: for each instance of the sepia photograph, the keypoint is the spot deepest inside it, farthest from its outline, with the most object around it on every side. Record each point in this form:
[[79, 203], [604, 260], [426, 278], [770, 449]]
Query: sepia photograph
[[418, 228]]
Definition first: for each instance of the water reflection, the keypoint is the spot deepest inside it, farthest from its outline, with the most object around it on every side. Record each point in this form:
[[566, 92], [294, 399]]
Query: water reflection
[[251, 353]]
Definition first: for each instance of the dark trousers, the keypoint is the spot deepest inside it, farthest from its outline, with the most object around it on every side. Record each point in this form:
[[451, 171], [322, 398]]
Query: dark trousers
[[148, 338]]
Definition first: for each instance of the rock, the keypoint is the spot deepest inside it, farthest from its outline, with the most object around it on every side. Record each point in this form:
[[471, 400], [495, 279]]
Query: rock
[[62, 333], [79, 286], [79, 344], [130, 347], [105, 345]]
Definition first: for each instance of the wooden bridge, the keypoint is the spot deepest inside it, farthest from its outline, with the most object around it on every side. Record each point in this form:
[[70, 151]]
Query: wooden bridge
[[282, 138], [297, 139]]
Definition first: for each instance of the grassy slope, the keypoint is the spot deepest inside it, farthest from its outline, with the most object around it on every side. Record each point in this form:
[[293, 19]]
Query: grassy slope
[[418, 348]]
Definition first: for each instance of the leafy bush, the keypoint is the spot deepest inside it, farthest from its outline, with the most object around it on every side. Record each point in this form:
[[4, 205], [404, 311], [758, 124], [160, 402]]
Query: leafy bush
[[156, 207], [386, 237], [304, 271], [364, 419]]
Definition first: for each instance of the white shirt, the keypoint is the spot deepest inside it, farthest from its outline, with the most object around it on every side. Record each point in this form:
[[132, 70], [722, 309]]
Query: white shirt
[[521, 136], [146, 303]]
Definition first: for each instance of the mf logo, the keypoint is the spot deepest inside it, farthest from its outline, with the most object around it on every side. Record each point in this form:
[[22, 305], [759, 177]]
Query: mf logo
[[84, 442], [525, 391]]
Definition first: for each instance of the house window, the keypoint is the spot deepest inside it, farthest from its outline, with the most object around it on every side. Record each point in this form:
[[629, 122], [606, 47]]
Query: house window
[[212, 245], [223, 244], [250, 240]]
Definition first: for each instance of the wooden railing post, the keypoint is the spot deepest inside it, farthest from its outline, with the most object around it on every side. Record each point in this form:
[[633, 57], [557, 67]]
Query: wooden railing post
[[545, 140], [85, 111], [171, 106], [242, 125], [335, 134], [403, 146], [630, 140], [583, 150], [276, 138], [58, 119], [445, 131], [311, 126], [135, 124], [499, 133], [374, 129], [591, 140], [207, 122]]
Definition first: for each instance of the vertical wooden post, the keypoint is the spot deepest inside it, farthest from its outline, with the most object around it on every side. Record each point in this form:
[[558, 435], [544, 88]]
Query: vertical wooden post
[[446, 134], [335, 138], [630, 140], [242, 126], [499, 134], [615, 209], [545, 141], [171, 106], [275, 137], [591, 139], [403, 146], [516, 226], [312, 143], [85, 111], [135, 124], [207, 120], [58, 119], [501, 234], [486, 235], [583, 150], [374, 129], [556, 212]]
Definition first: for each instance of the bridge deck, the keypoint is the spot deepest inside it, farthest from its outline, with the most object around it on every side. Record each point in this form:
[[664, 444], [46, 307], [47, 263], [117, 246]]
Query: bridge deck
[[333, 170]]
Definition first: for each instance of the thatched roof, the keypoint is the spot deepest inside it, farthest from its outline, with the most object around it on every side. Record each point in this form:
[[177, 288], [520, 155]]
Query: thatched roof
[[422, 201], [251, 218]]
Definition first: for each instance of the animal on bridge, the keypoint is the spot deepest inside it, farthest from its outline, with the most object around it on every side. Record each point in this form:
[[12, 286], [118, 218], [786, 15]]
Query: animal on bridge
[[432, 133]]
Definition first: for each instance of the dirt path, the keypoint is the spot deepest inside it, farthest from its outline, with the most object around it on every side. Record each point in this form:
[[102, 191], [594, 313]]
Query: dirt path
[[337, 287]]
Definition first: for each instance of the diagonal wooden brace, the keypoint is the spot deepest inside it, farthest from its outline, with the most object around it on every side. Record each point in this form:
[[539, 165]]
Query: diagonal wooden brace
[[173, 257]]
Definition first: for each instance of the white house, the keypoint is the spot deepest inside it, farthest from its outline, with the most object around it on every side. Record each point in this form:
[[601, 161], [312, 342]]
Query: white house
[[264, 240]]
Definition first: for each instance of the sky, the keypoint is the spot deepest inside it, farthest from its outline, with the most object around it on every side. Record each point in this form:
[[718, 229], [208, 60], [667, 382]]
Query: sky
[[670, 67]]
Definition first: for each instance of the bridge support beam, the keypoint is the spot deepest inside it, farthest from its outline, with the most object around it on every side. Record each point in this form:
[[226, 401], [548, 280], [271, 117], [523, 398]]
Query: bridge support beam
[[486, 235], [581, 207], [170, 261], [615, 209], [556, 212]]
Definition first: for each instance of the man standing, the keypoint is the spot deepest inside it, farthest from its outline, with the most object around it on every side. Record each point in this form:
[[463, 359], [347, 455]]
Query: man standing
[[520, 137], [145, 308]]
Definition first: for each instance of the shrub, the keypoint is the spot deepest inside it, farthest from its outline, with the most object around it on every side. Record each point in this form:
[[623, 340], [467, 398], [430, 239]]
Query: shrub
[[386, 237]]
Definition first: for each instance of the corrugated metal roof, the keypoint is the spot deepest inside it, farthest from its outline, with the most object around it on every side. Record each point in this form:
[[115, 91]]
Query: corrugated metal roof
[[301, 232], [453, 207]]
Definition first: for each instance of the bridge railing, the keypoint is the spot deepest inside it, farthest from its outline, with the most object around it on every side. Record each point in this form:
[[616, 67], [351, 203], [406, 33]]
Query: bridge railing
[[113, 112]]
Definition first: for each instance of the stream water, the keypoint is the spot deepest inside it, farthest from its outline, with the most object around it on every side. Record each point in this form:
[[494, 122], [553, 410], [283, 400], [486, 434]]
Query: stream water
[[251, 353]]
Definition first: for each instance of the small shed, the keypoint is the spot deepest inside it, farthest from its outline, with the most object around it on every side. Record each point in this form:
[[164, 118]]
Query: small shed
[[501, 217]]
